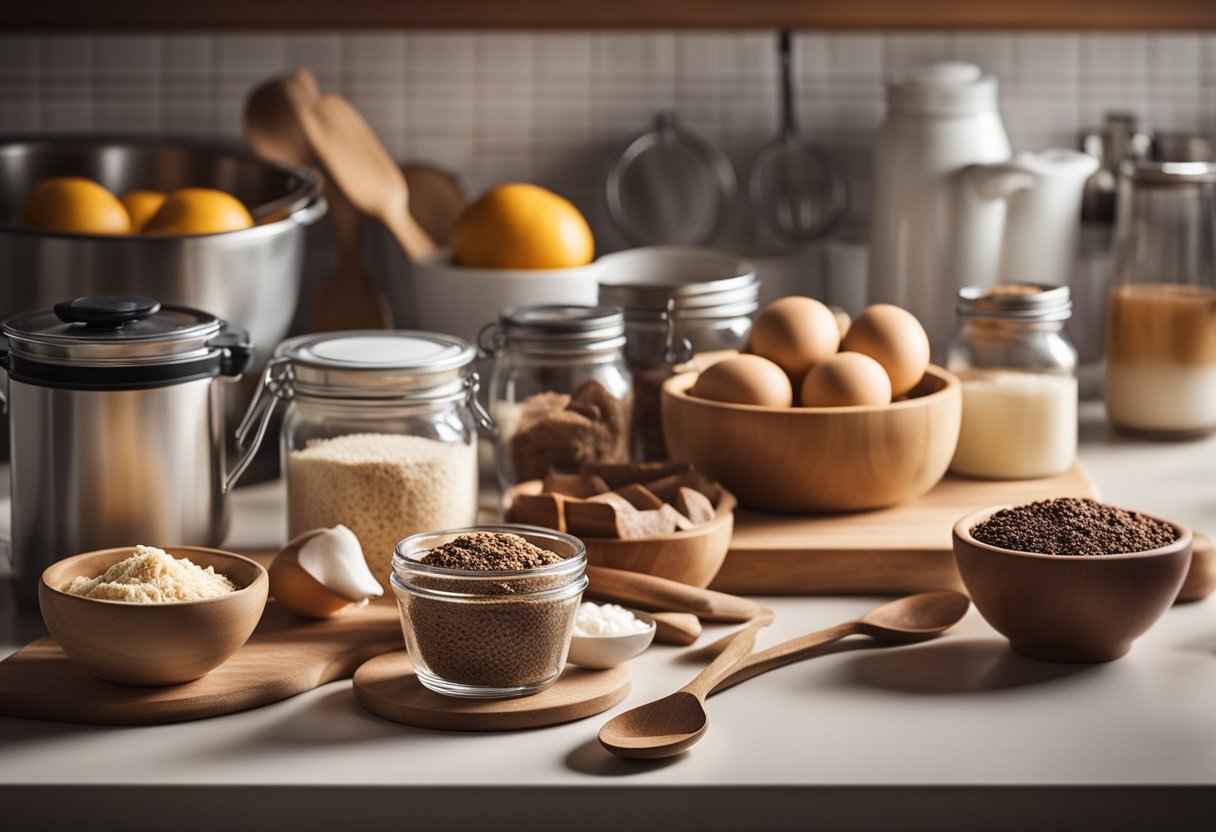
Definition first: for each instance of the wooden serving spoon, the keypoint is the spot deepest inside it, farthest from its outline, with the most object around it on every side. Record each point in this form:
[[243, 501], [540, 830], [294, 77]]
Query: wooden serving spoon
[[274, 128], [667, 726], [362, 169], [436, 200], [680, 628]]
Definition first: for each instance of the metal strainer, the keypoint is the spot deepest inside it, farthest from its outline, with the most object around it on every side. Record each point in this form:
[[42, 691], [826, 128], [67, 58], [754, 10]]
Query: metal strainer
[[670, 187], [792, 185]]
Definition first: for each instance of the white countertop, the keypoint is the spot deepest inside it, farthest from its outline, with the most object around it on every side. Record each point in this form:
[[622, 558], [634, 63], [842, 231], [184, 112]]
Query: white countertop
[[851, 739]]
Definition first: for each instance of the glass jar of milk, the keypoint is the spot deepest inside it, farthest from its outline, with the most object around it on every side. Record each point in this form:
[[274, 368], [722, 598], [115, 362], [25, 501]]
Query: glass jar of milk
[[1019, 374], [1161, 316]]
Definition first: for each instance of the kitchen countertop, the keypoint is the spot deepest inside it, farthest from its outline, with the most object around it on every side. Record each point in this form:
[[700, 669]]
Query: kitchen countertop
[[955, 733]]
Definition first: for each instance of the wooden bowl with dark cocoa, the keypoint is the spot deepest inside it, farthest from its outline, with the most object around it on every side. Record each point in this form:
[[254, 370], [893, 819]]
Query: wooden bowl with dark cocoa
[[1069, 608]]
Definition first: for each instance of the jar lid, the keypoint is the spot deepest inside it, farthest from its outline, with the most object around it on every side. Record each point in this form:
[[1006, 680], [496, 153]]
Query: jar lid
[[560, 328], [1017, 301], [689, 282], [1168, 174], [120, 342], [377, 363]]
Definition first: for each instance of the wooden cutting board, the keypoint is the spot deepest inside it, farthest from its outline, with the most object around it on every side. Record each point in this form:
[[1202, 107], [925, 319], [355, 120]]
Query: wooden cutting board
[[897, 550], [286, 655]]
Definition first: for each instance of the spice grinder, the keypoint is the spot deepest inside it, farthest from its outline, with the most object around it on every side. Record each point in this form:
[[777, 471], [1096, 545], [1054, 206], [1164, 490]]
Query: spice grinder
[[116, 425]]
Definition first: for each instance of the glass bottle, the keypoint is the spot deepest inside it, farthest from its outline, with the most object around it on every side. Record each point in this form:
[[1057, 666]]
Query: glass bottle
[[560, 393], [1161, 316], [1018, 370]]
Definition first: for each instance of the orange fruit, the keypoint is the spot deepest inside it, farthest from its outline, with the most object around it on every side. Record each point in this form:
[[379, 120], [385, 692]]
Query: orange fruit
[[73, 203], [518, 226], [198, 211], [141, 206]]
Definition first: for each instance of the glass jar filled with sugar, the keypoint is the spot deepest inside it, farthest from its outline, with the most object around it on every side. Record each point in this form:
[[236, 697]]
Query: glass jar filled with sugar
[[1161, 317], [379, 434], [1018, 370]]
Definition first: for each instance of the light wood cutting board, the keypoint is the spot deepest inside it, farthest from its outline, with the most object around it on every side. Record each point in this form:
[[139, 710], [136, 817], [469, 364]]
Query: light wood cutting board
[[891, 551], [286, 655]]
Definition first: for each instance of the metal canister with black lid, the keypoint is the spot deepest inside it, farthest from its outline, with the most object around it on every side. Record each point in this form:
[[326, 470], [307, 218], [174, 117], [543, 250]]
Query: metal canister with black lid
[[117, 428]]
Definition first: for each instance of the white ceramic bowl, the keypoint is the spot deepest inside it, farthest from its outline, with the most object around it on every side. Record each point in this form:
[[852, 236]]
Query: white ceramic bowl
[[459, 300], [602, 652]]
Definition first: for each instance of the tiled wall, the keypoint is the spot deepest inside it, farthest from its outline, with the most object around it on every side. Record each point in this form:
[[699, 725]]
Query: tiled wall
[[552, 108]]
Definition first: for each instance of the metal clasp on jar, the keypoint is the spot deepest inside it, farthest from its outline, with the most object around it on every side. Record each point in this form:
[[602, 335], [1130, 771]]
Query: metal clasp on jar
[[674, 352], [472, 384], [275, 387]]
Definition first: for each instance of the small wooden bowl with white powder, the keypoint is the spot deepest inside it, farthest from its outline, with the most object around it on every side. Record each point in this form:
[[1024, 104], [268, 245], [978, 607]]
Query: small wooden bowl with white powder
[[146, 617]]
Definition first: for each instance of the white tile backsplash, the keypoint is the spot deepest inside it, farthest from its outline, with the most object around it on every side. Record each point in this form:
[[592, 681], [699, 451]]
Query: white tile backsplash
[[557, 107]]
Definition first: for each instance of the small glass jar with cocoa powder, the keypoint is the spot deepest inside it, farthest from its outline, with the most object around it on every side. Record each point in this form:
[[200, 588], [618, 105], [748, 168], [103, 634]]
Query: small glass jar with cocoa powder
[[560, 393], [487, 612]]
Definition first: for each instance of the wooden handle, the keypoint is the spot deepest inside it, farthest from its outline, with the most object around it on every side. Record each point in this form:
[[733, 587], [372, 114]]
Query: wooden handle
[[680, 628], [782, 654], [415, 242], [725, 662], [648, 592]]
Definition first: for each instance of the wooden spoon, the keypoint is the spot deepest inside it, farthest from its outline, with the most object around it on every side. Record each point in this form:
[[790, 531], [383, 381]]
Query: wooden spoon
[[680, 628], [274, 127], [362, 169], [666, 727], [436, 200]]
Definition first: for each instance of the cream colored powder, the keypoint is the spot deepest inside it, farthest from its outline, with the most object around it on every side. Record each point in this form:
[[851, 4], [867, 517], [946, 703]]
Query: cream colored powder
[[153, 576]]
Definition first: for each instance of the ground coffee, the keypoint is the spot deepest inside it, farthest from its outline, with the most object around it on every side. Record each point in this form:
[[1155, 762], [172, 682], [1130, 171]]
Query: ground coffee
[[1072, 526]]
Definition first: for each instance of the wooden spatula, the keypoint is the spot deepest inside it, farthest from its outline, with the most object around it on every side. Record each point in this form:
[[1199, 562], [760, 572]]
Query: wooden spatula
[[362, 169]]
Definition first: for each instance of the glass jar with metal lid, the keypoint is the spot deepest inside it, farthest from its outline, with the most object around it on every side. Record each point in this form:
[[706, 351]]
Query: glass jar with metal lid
[[1161, 313], [560, 393], [379, 434], [678, 302], [1018, 370]]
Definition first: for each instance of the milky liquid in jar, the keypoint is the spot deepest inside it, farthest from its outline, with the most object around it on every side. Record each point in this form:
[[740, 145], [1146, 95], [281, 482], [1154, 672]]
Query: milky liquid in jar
[[1016, 425], [1161, 358], [1018, 373]]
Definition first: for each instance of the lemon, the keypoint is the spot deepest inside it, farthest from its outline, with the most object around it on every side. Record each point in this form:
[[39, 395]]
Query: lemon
[[141, 206], [518, 226], [198, 211], [73, 203]]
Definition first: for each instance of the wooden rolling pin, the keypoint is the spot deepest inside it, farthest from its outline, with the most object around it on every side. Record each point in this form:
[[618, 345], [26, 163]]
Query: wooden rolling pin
[[634, 589]]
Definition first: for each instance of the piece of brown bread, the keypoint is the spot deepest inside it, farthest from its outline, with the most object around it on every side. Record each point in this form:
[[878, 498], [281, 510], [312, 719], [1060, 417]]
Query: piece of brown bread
[[640, 497], [624, 473], [581, 486], [694, 505], [546, 510]]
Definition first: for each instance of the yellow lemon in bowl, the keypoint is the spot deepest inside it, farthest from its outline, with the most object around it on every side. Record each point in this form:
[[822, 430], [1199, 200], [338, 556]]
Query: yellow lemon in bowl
[[519, 226], [198, 211], [73, 203], [142, 206]]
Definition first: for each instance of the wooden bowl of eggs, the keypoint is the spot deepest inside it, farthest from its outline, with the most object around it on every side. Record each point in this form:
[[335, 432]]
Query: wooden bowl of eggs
[[819, 418]]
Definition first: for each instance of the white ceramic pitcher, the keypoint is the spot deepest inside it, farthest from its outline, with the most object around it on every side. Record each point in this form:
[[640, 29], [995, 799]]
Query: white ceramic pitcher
[[952, 207]]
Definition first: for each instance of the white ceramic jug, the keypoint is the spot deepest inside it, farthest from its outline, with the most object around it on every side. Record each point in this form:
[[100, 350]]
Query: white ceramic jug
[[953, 208]]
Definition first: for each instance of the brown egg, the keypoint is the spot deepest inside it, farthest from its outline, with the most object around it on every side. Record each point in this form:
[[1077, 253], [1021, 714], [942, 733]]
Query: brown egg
[[795, 333], [745, 379], [895, 339], [299, 592], [846, 379], [842, 320]]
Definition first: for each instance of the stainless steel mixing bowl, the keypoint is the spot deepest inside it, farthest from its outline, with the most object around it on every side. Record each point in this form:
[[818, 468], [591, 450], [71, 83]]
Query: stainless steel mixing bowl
[[250, 278]]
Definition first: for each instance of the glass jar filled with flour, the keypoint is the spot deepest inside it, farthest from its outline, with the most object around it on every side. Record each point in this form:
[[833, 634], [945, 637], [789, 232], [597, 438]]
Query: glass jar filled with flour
[[1018, 369], [559, 393], [1161, 315], [379, 434]]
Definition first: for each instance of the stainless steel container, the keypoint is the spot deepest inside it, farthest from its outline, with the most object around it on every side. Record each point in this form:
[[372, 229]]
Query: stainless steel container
[[250, 278], [117, 428]]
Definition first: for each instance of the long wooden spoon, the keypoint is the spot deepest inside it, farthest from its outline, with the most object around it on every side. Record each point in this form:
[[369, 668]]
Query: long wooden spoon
[[667, 726], [358, 163]]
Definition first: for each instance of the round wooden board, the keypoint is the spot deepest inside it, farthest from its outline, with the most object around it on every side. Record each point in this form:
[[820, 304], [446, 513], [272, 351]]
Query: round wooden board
[[387, 686]]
